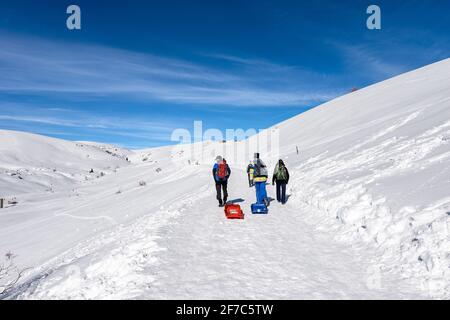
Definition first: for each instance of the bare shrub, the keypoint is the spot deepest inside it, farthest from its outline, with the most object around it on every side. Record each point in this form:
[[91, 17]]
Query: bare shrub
[[10, 273]]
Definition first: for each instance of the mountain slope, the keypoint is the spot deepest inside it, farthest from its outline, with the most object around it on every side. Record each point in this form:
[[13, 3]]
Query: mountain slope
[[367, 217], [32, 163], [378, 162]]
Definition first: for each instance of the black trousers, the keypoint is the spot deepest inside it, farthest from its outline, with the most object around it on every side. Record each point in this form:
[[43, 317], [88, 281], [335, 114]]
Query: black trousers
[[222, 186], [250, 181], [281, 191]]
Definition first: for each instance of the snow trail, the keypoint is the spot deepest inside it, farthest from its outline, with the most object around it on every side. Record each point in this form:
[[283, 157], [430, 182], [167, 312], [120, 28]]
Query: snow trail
[[278, 256], [196, 253]]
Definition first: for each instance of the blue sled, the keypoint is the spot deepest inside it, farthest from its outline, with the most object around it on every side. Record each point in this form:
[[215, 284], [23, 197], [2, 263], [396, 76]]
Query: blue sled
[[259, 208]]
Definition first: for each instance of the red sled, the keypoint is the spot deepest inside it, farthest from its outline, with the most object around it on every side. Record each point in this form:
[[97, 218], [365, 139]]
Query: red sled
[[234, 211]]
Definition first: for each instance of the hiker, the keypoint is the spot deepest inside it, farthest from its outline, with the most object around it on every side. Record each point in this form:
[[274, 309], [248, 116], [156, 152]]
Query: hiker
[[221, 173], [250, 173], [260, 179], [281, 178]]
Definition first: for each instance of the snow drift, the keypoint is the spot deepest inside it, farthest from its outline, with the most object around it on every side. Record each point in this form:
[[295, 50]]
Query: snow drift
[[377, 161]]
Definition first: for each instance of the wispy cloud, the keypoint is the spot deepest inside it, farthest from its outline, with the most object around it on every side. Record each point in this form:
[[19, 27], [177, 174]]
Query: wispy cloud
[[65, 122], [381, 58], [256, 63], [39, 66], [92, 122], [372, 65]]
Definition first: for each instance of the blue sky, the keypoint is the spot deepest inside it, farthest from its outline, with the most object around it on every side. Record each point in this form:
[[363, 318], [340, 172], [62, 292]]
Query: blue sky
[[140, 69]]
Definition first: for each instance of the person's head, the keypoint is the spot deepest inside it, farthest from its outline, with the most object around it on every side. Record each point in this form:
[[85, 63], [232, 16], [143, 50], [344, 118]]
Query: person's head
[[218, 159], [280, 162]]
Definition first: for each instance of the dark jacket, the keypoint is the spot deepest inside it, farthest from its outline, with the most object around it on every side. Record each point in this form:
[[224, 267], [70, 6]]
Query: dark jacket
[[214, 172], [274, 177], [260, 169]]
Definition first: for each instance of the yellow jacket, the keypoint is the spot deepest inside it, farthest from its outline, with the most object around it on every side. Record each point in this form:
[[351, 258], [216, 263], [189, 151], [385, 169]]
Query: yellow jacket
[[260, 179]]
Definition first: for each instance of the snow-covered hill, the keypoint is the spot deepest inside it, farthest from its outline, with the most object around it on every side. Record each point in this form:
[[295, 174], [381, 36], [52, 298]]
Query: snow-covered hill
[[375, 166], [31, 163], [368, 213]]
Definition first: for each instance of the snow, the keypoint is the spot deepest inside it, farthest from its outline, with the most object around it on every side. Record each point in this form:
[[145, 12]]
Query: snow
[[367, 215], [44, 163], [382, 170]]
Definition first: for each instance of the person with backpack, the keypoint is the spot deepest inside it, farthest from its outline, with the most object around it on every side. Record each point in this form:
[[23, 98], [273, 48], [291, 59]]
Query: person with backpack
[[281, 178], [251, 174], [221, 173], [260, 180]]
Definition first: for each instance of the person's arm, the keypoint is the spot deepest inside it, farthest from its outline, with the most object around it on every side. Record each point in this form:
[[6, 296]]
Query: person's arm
[[274, 174], [287, 173], [228, 170], [214, 172]]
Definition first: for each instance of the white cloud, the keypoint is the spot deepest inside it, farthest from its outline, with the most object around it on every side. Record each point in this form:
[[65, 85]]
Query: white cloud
[[371, 65], [46, 67], [81, 121]]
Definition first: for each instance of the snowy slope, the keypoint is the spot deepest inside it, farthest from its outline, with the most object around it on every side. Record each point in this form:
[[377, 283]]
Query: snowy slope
[[378, 162], [32, 163], [367, 215]]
